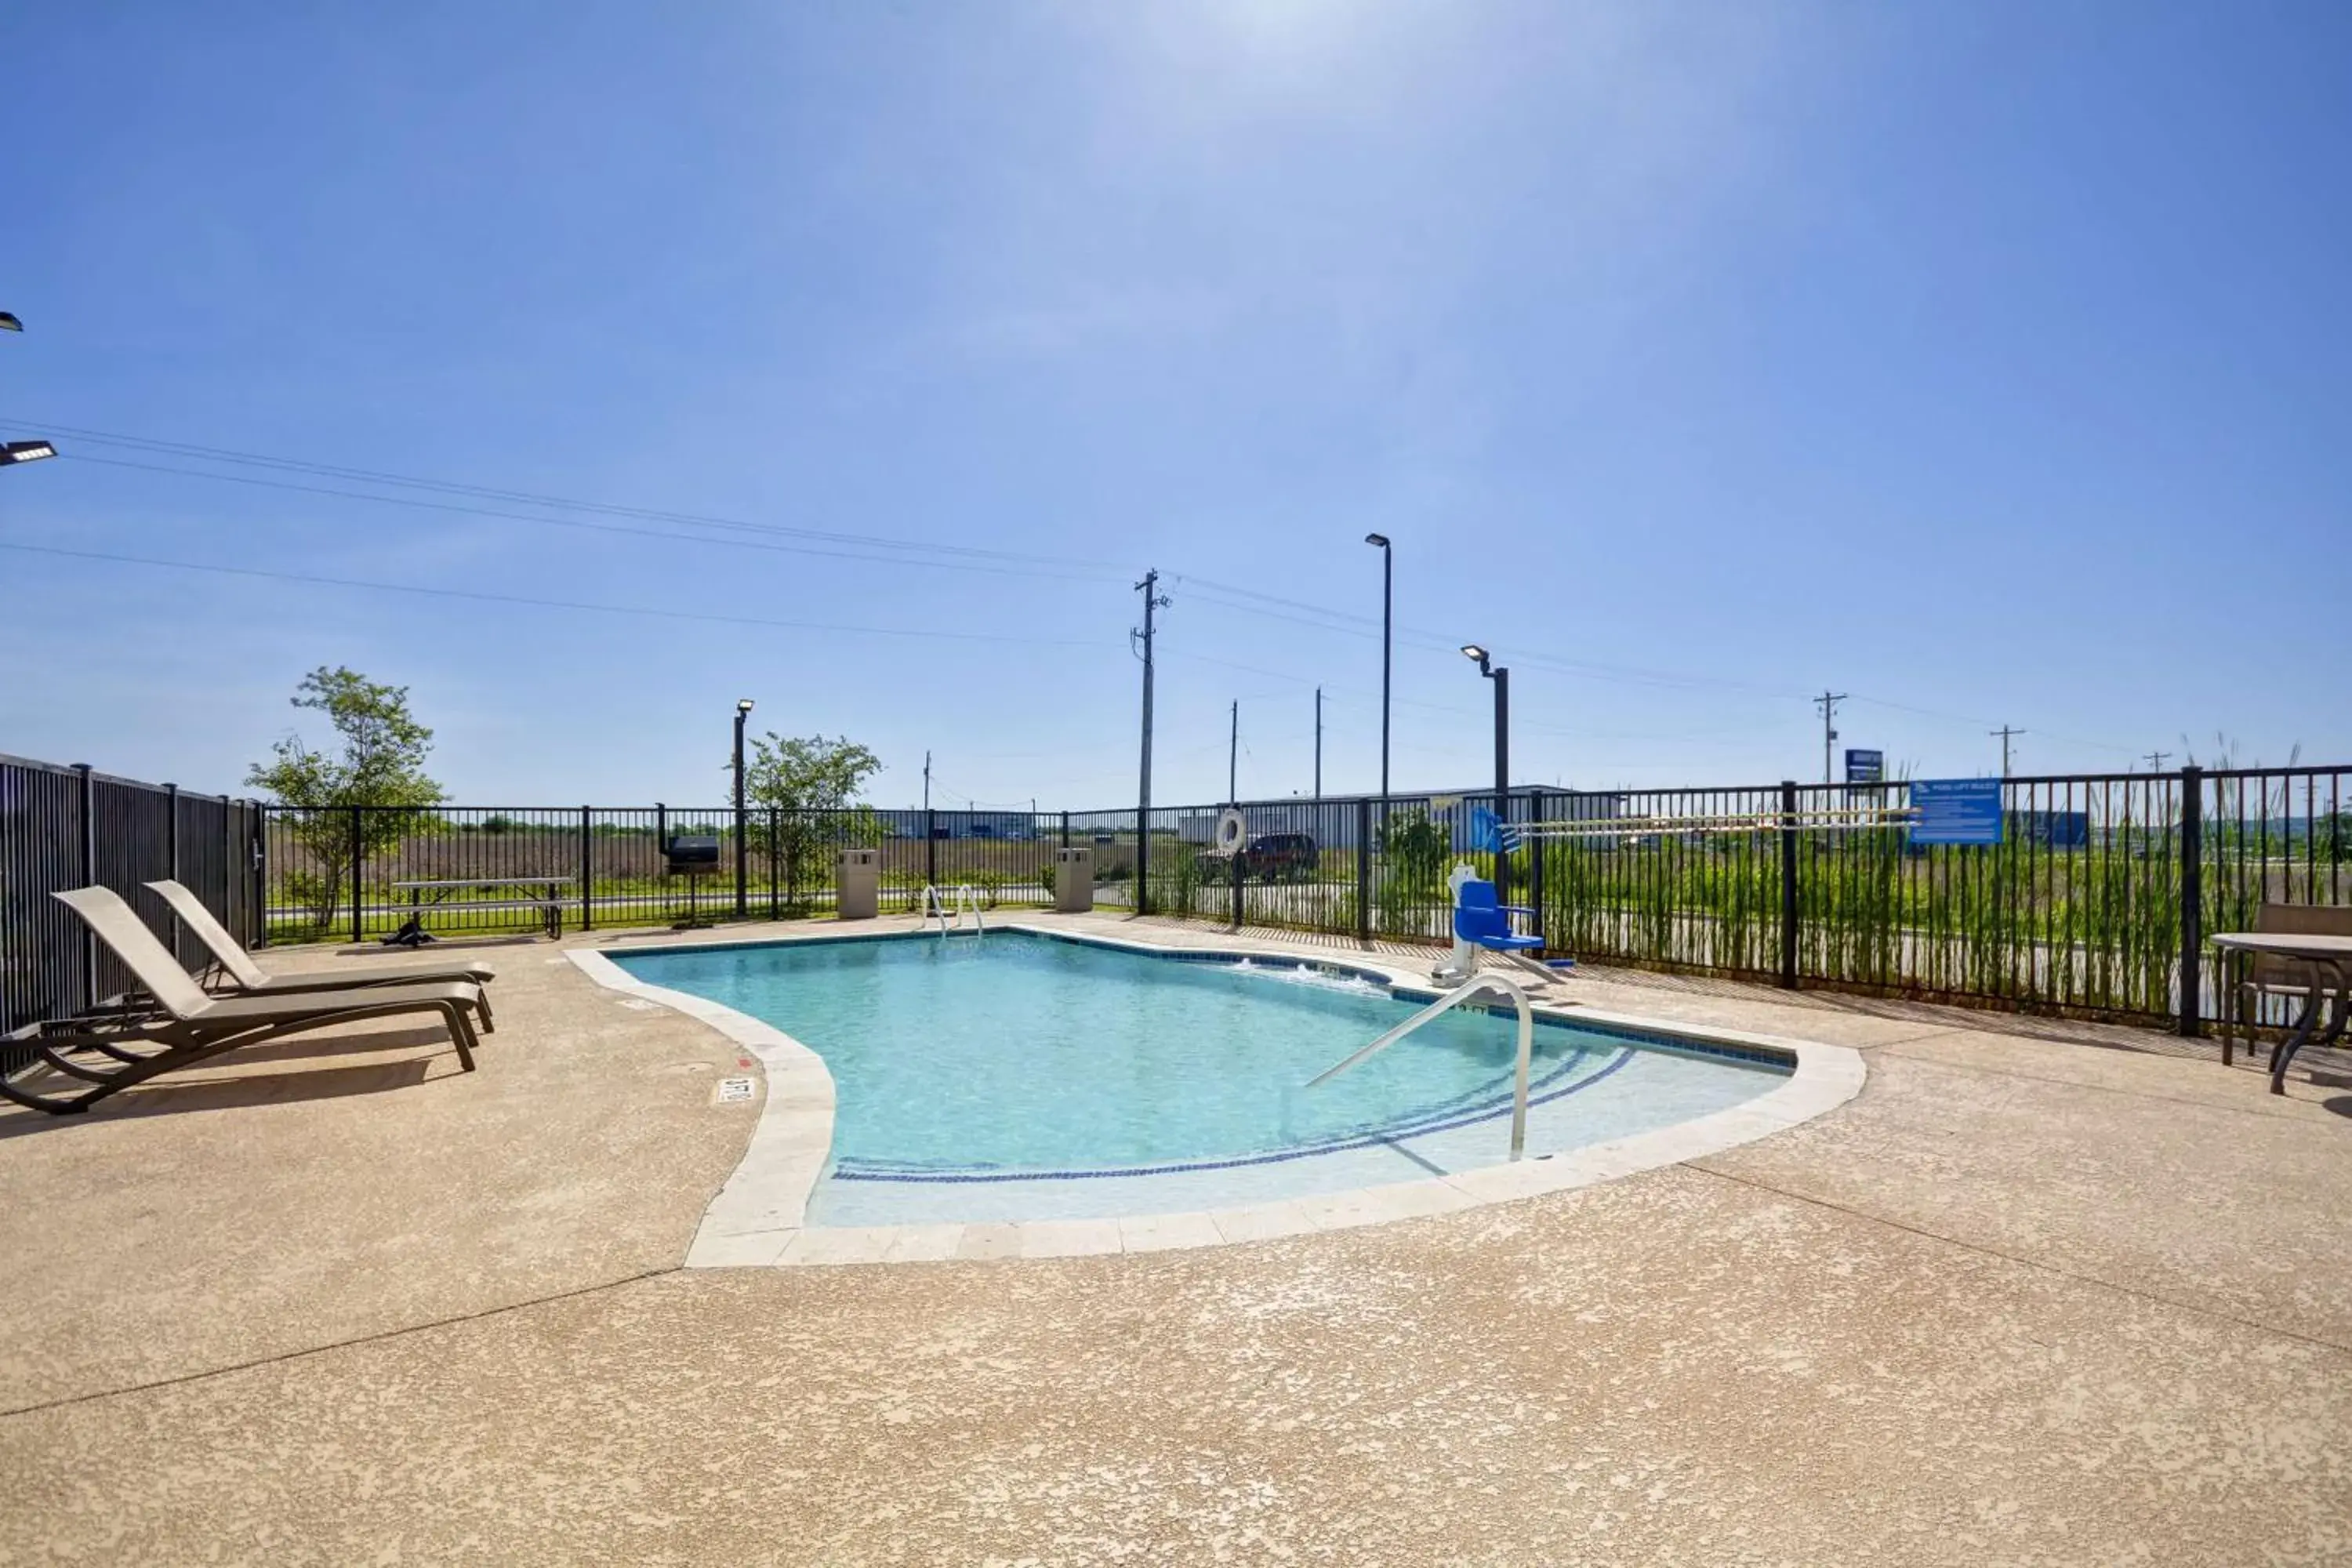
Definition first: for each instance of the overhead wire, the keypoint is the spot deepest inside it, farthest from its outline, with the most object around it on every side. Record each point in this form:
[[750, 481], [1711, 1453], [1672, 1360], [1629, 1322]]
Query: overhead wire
[[879, 549], [582, 523], [380, 476], [480, 596]]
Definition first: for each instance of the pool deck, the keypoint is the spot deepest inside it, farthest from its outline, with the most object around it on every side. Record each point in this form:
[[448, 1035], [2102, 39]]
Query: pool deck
[[2041, 1292]]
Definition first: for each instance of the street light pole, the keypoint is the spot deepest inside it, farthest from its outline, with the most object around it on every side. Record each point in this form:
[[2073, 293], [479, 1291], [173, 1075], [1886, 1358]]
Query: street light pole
[[1319, 742], [1388, 643], [742, 859], [1233, 757], [1502, 679], [1153, 599]]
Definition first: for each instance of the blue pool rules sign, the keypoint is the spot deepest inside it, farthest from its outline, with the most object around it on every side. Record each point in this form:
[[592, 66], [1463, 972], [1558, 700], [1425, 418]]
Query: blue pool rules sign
[[1864, 767], [1956, 811]]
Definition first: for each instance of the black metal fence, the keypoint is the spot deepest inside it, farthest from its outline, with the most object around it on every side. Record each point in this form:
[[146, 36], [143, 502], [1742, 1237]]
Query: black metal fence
[[355, 873], [64, 828], [2096, 901]]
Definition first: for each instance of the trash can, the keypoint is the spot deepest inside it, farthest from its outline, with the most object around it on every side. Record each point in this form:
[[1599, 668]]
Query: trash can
[[857, 883], [1074, 881]]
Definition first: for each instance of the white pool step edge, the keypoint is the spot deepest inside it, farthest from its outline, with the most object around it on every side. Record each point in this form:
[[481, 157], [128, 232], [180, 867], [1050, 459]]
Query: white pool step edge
[[758, 1217]]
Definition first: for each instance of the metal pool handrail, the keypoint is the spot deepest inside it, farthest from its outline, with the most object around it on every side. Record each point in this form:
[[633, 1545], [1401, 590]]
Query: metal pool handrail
[[1502, 986], [936, 908]]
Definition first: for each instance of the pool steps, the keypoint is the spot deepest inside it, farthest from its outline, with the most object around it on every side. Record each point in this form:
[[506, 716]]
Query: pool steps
[[1476, 985]]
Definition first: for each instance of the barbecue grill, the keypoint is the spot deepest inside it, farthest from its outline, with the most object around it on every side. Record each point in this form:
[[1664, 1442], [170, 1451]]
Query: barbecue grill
[[691, 853], [692, 856]]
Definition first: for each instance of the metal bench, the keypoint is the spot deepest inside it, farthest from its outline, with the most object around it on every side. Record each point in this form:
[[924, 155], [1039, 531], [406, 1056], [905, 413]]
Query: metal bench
[[550, 903]]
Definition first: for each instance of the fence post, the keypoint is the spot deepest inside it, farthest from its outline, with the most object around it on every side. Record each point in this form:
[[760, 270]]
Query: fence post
[[1789, 914], [1364, 871], [1536, 868], [930, 848], [775, 847], [172, 855], [359, 870], [587, 874], [1142, 903], [1066, 830], [2193, 900], [742, 864], [89, 878], [257, 858], [1236, 859], [228, 861]]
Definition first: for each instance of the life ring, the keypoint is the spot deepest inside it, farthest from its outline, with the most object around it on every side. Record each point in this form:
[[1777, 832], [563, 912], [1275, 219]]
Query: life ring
[[1233, 833]]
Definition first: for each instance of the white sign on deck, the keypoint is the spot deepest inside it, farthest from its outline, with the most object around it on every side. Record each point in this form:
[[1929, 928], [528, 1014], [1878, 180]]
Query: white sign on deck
[[735, 1091]]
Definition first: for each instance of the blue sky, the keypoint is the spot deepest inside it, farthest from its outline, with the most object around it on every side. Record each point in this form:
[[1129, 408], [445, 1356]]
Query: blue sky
[[1985, 361]]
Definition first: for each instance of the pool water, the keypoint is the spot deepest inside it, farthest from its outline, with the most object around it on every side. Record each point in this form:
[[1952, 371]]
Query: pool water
[[1037, 1062]]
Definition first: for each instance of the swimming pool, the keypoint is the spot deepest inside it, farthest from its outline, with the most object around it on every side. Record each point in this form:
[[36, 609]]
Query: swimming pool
[[1025, 1076]]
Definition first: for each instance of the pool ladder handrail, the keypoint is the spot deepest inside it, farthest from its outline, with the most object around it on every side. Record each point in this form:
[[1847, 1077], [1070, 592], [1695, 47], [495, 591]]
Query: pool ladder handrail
[[1499, 985], [951, 918]]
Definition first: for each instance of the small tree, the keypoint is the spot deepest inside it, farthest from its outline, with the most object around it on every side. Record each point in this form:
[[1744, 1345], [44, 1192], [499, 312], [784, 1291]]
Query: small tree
[[1419, 846], [380, 767], [806, 789]]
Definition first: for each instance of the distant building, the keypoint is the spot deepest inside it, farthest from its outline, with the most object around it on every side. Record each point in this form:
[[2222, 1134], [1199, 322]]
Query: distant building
[[1010, 825]]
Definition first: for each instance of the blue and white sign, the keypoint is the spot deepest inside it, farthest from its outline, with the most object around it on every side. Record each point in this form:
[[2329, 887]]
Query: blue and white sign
[[1864, 767], [1956, 811]]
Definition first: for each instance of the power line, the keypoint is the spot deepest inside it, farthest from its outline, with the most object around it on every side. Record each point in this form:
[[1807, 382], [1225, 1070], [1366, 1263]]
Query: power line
[[1211, 593], [573, 523], [479, 597], [896, 552], [380, 476]]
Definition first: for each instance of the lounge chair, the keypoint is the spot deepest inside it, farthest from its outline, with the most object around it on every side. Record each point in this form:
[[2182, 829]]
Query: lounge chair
[[240, 975], [113, 1051]]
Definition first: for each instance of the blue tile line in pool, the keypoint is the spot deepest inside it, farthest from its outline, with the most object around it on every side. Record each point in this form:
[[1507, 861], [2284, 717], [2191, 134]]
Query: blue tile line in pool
[[1467, 1112], [1404, 990], [842, 1173]]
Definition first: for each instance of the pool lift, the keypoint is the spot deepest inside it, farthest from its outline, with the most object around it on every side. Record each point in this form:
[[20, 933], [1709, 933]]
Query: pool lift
[[1482, 921], [947, 910]]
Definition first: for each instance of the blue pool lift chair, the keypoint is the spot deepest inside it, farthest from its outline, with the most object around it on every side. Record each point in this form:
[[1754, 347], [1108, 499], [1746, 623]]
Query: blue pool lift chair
[[1483, 924], [1479, 920]]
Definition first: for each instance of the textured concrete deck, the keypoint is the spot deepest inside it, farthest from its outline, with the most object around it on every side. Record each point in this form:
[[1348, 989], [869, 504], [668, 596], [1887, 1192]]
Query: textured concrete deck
[[2025, 1299]]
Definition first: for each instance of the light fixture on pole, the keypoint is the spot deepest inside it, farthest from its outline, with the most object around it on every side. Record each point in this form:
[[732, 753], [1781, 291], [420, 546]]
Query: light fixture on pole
[[1502, 679], [742, 861], [21, 451]]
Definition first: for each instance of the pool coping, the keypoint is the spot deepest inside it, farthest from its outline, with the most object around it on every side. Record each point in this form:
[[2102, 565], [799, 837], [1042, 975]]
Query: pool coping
[[758, 1217]]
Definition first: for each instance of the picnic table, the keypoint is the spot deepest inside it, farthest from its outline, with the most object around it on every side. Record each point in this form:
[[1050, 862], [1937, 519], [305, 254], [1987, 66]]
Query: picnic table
[[2329, 962], [544, 894]]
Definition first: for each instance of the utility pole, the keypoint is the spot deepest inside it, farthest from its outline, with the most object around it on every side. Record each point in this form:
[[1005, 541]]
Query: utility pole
[[927, 782], [1233, 757], [1153, 599], [1827, 703], [2156, 761], [1319, 742], [2005, 732]]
